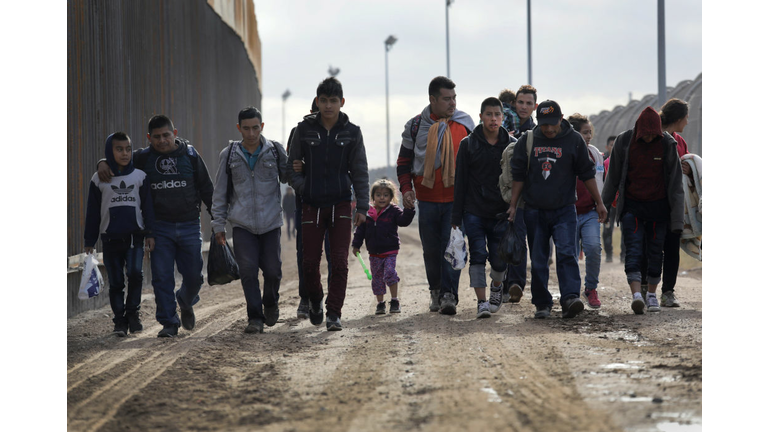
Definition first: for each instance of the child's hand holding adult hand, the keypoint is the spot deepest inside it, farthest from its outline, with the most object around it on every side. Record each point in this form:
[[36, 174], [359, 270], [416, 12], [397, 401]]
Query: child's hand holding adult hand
[[359, 219]]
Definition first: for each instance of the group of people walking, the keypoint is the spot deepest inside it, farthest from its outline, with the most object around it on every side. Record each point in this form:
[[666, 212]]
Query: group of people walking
[[558, 191]]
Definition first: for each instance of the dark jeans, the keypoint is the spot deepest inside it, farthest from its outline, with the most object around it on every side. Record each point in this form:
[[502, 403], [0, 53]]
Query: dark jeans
[[560, 226], [671, 263], [120, 261], [254, 252], [435, 232], [516, 273], [315, 223], [179, 243], [300, 251], [484, 235], [636, 233]]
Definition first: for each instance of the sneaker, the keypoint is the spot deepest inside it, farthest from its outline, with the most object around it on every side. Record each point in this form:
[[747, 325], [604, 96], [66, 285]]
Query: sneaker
[[434, 304], [271, 314], [381, 308], [542, 312], [394, 306], [495, 300], [316, 313], [638, 305], [169, 331], [255, 326], [515, 293], [668, 299], [653, 303], [448, 304], [644, 291], [187, 318], [592, 300], [572, 307], [483, 309], [134, 323], [608, 258], [303, 311], [121, 328], [332, 323]]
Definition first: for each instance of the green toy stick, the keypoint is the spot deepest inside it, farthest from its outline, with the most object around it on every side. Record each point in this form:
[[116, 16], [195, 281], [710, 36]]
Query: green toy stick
[[362, 263]]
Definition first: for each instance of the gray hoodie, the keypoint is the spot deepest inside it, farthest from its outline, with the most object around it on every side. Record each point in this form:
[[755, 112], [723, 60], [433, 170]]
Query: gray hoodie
[[255, 201]]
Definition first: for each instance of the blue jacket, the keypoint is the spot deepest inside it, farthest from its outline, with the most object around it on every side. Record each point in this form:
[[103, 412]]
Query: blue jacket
[[120, 209], [380, 232]]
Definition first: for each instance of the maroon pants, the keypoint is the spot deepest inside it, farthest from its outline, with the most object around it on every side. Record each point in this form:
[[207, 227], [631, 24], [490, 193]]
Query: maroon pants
[[337, 220]]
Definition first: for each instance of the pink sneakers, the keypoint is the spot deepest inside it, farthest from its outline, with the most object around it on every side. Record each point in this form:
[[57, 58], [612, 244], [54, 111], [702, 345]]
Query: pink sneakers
[[592, 300]]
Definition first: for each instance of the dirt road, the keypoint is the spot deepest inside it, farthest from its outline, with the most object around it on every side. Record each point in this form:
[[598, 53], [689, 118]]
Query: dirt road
[[607, 370]]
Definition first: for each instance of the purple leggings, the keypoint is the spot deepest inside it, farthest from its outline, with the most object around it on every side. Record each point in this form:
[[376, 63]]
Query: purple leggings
[[384, 273]]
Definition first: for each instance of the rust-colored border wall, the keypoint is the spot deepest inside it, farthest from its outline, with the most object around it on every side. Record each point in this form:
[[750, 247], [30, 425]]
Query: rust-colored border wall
[[128, 60]]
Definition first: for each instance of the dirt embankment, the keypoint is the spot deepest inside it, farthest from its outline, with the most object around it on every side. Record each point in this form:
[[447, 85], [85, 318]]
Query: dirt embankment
[[606, 370]]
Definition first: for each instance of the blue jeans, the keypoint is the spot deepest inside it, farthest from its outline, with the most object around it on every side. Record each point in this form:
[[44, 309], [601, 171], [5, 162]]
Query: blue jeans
[[484, 235], [180, 243], [254, 252], [516, 273], [588, 237], [435, 232], [121, 262], [560, 226], [636, 233]]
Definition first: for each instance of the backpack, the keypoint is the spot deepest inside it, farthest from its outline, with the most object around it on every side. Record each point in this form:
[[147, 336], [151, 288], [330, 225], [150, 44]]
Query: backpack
[[505, 179], [228, 169]]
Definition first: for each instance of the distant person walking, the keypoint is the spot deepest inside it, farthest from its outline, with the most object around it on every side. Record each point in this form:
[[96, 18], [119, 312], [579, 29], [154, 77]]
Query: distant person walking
[[289, 210]]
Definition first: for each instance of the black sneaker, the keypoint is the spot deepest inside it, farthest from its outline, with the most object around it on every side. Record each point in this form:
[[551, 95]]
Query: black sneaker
[[572, 307], [542, 312], [169, 331], [187, 318], [434, 296], [134, 323], [316, 313], [255, 326], [332, 323], [448, 304], [394, 306], [121, 327], [381, 308], [303, 311], [271, 314]]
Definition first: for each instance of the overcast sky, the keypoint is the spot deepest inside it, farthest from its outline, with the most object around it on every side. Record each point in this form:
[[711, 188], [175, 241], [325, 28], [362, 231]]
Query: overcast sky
[[587, 55]]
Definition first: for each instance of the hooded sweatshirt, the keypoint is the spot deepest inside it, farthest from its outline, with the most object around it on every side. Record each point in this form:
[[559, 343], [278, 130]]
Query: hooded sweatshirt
[[380, 229], [120, 210], [646, 175], [478, 168], [550, 179]]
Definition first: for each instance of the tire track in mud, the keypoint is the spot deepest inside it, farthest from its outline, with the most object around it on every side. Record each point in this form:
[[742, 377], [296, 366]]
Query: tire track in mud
[[106, 397]]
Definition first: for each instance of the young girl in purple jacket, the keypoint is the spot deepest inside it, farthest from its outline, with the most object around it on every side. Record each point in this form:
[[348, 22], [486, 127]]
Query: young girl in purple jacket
[[382, 241]]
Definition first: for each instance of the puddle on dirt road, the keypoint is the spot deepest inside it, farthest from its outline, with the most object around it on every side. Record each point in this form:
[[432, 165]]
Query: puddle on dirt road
[[677, 427]]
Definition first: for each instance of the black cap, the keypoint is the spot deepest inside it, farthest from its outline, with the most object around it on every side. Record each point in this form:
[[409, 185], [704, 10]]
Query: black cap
[[549, 113]]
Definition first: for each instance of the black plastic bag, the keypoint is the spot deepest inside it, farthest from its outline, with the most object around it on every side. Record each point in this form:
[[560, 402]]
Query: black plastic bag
[[512, 246], [222, 267]]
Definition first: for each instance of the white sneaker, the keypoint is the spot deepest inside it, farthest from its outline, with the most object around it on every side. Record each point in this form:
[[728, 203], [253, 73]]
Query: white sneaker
[[653, 303], [495, 300], [483, 309]]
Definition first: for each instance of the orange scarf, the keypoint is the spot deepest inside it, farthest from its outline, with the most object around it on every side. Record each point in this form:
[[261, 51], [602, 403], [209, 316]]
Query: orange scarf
[[446, 156]]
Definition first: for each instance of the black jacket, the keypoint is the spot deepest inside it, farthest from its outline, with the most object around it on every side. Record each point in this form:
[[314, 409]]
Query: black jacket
[[476, 185], [334, 162], [550, 181], [178, 180]]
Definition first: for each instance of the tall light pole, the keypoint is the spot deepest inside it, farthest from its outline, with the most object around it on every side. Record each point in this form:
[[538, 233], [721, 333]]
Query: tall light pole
[[286, 94], [387, 46], [447, 41], [530, 78], [662, 57]]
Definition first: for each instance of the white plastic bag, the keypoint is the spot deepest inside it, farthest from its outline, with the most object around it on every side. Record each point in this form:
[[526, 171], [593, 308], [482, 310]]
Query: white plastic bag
[[456, 252], [91, 283]]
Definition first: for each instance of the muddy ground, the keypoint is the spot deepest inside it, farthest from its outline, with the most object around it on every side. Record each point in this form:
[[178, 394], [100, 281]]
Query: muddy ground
[[606, 370]]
